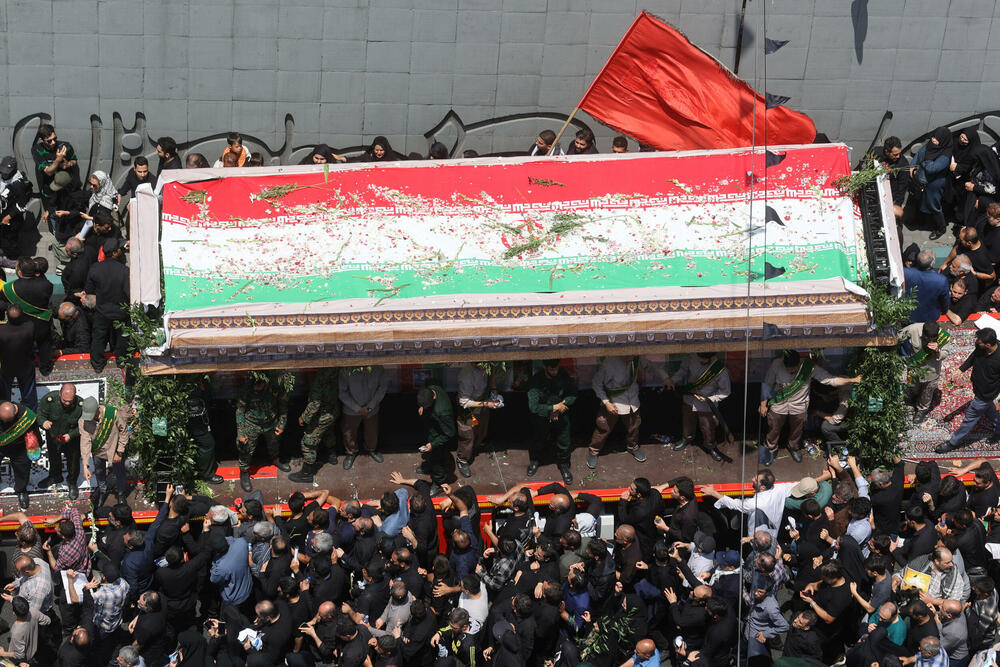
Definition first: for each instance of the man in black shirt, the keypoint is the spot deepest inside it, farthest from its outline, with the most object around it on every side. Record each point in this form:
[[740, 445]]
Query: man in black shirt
[[985, 364], [137, 175], [890, 154], [32, 292], [17, 358], [166, 150], [639, 505], [51, 157], [970, 245], [964, 298], [887, 495], [75, 337], [802, 640], [107, 281]]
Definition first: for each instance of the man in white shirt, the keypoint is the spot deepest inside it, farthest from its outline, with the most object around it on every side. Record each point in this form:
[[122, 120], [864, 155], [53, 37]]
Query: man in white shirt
[[764, 508], [616, 385], [361, 392], [703, 381]]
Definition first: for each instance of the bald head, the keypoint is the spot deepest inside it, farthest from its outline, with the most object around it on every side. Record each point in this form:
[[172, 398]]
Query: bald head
[[7, 411], [645, 648], [702, 592], [952, 608], [559, 503], [67, 393], [930, 645], [327, 610], [24, 564], [625, 533], [74, 247]]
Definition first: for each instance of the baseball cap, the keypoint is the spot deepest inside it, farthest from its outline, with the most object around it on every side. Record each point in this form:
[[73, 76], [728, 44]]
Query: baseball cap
[[807, 486], [61, 180], [8, 166], [89, 408], [705, 543], [727, 558]]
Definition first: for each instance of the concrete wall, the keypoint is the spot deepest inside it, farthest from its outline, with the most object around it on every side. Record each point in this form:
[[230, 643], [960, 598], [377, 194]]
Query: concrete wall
[[347, 70]]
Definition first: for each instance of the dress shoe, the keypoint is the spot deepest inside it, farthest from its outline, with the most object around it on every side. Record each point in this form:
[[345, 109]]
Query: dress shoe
[[23, 500], [796, 455], [245, 480], [592, 461], [566, 472], [919, 416], [463, 468], [74, 491], [945, 447], [681, 444], [532, 468], [936, 234], [715, 454], [376, 457], [637, 455], [215, 478], [49, 481], [349, 461], [283, 466], [304, 475]]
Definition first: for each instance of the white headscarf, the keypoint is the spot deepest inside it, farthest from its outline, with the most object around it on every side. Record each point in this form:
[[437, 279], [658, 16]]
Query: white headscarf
[[106, 195]]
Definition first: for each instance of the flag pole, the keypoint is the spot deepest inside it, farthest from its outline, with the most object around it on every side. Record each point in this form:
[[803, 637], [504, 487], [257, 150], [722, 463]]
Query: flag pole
[[555, 142]]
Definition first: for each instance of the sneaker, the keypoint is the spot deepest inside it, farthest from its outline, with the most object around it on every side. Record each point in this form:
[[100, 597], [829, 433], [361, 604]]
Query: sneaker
[[566, 472], [945, 447], [592, 461], [376, 457], [936, 234], [637, 455], [463, 468]]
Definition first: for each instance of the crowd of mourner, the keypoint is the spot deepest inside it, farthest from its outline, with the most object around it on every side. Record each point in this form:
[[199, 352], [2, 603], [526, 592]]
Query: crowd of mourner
[[840, 567]]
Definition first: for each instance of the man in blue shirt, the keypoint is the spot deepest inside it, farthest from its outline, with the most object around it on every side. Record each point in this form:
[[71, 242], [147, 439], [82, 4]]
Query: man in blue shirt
[[464, 554], [231, 568], [645, 655], [929, 287]]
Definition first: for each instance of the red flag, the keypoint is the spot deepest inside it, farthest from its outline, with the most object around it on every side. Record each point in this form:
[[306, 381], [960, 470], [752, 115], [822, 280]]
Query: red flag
[[663, 90]]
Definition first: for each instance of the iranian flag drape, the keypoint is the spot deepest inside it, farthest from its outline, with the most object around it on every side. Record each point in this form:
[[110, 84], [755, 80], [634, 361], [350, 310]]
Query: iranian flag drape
[[663, 90]]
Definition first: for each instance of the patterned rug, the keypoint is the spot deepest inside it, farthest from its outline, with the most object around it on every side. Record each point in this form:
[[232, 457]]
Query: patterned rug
[[946, 415]]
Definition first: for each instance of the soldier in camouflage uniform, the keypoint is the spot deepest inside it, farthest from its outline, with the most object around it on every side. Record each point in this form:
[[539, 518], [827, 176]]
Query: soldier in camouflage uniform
[[262, 410], [318, 419]]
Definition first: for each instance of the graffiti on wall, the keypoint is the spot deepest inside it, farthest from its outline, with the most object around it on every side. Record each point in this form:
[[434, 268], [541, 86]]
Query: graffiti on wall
[[127, 143]]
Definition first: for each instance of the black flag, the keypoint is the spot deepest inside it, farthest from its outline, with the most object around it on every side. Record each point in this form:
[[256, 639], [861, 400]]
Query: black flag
[[772, 45], [770, 215], [773, 159], [771, 101], [772, 271]]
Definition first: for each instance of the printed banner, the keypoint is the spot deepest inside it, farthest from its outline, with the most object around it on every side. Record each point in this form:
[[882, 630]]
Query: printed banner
[[528, 225]]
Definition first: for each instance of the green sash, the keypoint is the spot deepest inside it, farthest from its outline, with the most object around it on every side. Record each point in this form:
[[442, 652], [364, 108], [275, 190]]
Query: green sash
[[24, 422], [921, 355], [801, 377], [43, 314], [713, 371], [105, 427], [618, 391]]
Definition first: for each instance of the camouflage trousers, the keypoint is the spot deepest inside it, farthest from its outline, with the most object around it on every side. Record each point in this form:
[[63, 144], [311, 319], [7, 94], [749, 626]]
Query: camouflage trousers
[[316, 433], [253, 432]]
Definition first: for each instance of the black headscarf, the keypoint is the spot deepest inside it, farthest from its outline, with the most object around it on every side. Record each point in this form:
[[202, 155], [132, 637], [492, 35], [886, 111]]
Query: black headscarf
[[944, 146], [389, 155], [964, 154], [321, 149], [985, 158], [192, 647]]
